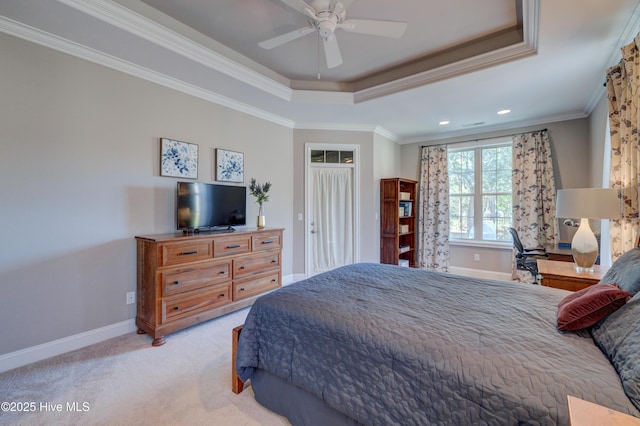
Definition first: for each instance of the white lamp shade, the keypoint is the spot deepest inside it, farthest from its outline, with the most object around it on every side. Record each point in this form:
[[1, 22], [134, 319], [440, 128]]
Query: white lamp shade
[[588, 203]]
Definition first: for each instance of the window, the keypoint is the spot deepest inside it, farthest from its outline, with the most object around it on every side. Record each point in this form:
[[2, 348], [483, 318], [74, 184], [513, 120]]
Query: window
[[320, 156], [480, 193]]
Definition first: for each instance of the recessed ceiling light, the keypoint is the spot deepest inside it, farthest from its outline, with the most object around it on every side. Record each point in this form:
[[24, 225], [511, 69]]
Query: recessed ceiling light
[[504, 111], [444, 122]]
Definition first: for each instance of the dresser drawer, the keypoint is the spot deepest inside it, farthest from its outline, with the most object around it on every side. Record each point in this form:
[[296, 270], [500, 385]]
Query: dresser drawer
[[266, 242], [188, 278], [180, 306], [231, 245], [254, 286], [184, 252], [255, 263]]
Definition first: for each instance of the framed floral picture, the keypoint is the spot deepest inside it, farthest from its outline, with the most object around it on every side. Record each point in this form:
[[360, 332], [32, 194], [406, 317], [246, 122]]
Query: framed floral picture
[[229, 166], [178, 159]]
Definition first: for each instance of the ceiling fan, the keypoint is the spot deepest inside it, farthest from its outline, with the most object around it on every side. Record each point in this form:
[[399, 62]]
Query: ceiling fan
[[325, 16]]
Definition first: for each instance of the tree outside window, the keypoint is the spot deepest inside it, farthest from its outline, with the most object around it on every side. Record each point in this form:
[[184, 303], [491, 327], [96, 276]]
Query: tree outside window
[[480, 193]]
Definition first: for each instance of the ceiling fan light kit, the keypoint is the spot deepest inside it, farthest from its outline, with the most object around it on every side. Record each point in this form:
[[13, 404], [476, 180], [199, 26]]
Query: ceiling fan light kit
[[327, 15]]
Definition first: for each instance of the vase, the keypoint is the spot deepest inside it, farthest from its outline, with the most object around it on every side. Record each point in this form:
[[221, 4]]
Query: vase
[[261, 218]]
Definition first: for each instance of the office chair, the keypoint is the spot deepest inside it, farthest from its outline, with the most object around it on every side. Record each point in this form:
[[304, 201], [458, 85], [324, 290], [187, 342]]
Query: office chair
[[527, 258]]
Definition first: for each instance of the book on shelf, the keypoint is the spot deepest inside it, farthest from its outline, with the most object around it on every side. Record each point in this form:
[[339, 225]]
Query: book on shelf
[[406, 208]]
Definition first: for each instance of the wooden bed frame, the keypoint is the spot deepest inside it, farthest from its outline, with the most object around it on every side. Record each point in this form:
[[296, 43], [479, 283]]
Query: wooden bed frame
[[236, 384]]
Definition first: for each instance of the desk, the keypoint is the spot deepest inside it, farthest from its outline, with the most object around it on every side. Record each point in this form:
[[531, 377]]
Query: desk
[[584, 413], [560, 253], [563, 275]]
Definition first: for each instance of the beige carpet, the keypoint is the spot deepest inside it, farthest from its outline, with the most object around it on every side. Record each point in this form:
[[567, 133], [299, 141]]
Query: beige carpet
[[126, 381]]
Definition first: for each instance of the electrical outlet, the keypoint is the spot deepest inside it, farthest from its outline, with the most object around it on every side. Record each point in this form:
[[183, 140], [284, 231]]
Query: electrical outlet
[[131, 297], [476, 257]]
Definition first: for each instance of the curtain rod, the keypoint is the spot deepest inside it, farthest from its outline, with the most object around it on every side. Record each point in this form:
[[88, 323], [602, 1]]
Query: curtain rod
[[485, 139]]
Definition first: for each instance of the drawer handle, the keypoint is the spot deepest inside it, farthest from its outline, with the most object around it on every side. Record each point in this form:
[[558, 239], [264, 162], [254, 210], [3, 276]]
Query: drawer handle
[[223, 272], [242, 267], [273, 280], [273, 261], [176, 282], [221, 295], [189, 252], [233, 246], [241, 288], [175, 308], [267, 242]]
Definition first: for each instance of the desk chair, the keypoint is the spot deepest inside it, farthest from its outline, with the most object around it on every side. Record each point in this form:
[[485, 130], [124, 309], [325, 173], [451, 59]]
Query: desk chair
[[527, 258]]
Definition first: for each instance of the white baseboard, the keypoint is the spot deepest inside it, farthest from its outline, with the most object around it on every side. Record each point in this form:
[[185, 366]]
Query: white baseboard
[[66, 344], [480, 273], [290, 279]]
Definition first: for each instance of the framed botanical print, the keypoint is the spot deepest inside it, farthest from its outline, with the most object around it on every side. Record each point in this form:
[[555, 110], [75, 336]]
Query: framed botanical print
[[178, 159], [229, 166]]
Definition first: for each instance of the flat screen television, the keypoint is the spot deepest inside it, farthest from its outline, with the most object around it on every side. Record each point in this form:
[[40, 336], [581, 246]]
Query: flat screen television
[[210, 207]]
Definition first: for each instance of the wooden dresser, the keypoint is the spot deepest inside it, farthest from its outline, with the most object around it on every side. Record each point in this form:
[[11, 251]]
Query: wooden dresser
[[187, 279]]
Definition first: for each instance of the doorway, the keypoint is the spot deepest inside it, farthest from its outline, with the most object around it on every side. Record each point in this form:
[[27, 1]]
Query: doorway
[[331, 206]]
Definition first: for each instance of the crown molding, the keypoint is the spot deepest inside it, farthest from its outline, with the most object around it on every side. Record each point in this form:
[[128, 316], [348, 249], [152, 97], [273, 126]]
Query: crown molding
[[349, 127], [528, 47], [137, 24], [629, 32], [140, 26], [52, 41], [387, 134]]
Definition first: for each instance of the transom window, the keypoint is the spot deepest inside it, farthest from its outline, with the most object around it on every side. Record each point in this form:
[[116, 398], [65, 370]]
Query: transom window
[[480, 193], [332, 157]]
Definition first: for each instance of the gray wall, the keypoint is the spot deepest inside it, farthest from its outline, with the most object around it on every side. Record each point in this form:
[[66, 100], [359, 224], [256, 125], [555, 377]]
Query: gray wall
[[79, 162], [79, 165], [375, 151], [570, 146], [597, 133]]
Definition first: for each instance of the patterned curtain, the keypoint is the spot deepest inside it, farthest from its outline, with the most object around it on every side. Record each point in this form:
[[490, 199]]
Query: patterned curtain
[[622, 88], [533, 193], [433, 221]]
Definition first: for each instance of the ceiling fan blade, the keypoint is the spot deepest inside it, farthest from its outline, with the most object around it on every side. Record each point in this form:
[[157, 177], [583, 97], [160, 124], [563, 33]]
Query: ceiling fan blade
[[332, 52], [301, 7], [345, 4], [285, 38], [391, 29]]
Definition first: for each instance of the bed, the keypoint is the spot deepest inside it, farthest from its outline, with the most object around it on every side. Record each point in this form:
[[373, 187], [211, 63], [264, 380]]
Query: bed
[[385, 345]]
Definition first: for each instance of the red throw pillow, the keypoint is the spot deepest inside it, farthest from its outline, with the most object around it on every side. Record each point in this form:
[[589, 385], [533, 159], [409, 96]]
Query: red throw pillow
[[584, 308]]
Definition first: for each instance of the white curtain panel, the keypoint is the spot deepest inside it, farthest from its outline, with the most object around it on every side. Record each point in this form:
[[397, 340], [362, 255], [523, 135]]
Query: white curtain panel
[[433, 219], [623, 82], [533, 194], [333, 218]]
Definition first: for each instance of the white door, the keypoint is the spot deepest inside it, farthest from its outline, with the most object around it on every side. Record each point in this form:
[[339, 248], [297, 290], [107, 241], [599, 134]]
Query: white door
[[331, 207]]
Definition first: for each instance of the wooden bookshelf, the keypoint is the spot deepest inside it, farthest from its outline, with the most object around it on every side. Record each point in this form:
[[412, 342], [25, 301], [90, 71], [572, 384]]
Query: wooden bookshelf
[[398, 224]]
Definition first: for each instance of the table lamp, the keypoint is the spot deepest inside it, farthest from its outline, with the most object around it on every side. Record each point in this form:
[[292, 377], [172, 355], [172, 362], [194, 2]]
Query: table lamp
[[586, 203]]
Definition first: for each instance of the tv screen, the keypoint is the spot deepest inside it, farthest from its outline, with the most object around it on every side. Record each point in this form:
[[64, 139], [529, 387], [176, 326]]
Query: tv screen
[[206, 206]]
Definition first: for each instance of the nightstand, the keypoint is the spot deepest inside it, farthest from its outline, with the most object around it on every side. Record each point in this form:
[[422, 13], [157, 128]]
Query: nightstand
[[563, 275], [584, 413]]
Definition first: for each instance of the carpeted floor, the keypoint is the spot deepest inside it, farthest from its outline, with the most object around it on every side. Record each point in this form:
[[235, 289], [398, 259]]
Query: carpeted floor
[[126, 381]]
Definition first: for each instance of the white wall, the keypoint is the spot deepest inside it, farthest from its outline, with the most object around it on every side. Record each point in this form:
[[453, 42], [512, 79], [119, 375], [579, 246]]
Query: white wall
[[79, 155]]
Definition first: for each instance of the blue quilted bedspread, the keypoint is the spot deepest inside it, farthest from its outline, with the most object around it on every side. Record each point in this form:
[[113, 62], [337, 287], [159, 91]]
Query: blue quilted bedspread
[[388, 345]]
